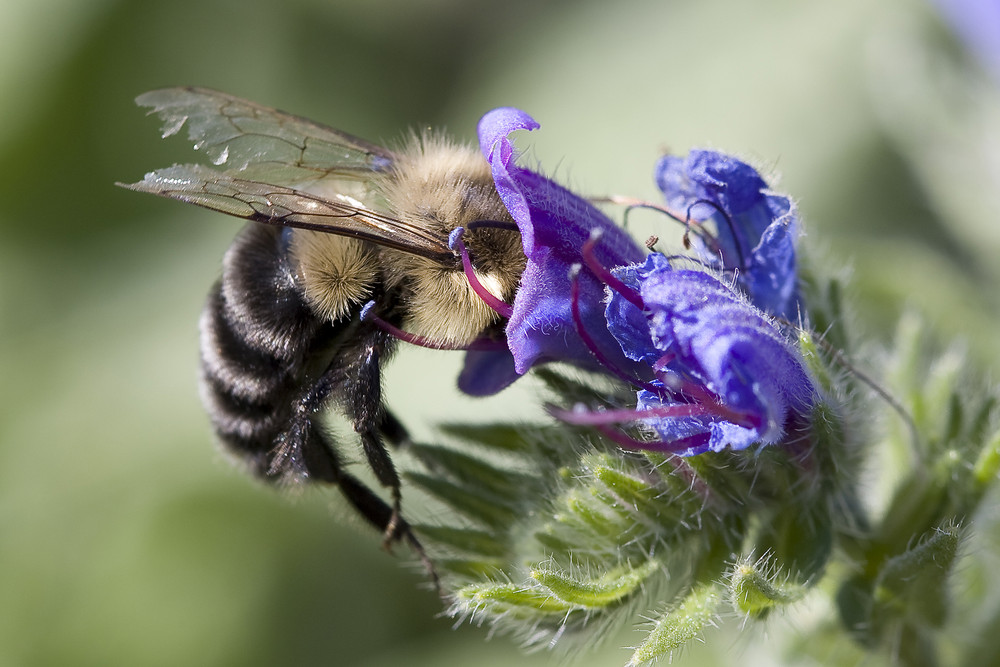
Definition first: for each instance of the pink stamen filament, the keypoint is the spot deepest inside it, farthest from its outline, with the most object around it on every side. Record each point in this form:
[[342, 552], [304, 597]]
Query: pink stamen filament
[[675, 383], [502, 308], [633, 203], [690, 225], [680, 384], [662, 362], [729, 223], [589, 418], [605, 275], [720, 409], [709, 404], [710, 240], [673, 446], [590, 343]]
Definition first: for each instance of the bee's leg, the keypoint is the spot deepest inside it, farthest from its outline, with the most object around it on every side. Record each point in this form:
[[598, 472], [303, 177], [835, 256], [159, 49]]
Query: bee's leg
[[323, 463], [300, 448], [364, 396], [356, 381], [393, 430], [378, 512]]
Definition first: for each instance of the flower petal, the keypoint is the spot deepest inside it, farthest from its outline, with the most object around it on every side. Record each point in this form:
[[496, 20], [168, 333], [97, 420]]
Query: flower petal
[[755, 229], [625, 321], [554, 224], [486, 372], [497, 124], [730, 347]]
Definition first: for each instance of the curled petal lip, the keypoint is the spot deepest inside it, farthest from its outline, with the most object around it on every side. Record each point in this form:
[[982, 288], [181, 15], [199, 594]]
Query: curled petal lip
[[554, 224], [497, 124]]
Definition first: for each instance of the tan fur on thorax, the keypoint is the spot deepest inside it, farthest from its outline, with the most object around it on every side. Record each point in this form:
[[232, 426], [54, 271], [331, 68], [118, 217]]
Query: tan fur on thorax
[[442, 307], [438, 186], [442, 186], [336, 272]]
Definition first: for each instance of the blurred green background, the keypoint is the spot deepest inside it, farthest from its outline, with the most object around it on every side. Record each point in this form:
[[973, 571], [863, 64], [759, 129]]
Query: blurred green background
[[126, 538]]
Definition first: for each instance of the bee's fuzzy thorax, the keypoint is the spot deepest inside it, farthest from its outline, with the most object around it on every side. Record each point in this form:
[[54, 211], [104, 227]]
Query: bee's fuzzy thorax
[[440, 185], [336, 272]]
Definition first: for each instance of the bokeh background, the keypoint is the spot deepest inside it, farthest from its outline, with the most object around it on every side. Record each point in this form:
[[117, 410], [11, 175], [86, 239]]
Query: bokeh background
[[126, 538]]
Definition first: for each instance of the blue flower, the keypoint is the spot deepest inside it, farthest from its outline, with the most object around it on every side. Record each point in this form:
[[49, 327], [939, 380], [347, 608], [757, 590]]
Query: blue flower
[[725, 376], [755, 229], [711, 370], [554, 225]]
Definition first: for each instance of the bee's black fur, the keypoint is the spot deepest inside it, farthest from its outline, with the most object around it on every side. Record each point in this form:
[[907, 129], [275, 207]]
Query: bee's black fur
[[269, 364]]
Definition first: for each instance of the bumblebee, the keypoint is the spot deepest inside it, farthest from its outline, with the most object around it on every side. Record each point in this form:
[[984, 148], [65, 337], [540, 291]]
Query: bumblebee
[[336, 224]]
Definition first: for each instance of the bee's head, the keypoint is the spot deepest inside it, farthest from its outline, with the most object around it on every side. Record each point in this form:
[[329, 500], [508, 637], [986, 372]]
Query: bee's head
[[455, 305], [441, 187]]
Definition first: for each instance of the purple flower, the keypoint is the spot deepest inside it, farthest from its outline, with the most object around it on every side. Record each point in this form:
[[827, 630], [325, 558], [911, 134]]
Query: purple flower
[[554, 225], [755, 229], [711, 370], [724, 374]]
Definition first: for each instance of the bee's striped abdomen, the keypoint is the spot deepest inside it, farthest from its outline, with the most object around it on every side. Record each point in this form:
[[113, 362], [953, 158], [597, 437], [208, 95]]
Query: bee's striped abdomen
[[256, 331]]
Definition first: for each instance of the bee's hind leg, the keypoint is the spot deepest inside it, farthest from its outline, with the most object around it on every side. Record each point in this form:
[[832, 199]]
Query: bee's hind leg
[[372, 422], [386, 518], [323, 464], [363, 394], [393, 430], [354, 379]]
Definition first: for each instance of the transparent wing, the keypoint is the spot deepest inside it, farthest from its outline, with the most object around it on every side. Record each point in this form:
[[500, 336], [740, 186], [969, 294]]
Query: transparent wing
[[228, 192], [265, 144]]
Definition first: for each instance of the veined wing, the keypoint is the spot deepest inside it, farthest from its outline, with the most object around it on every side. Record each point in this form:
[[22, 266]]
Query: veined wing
[[268, 145], [273, 204]]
